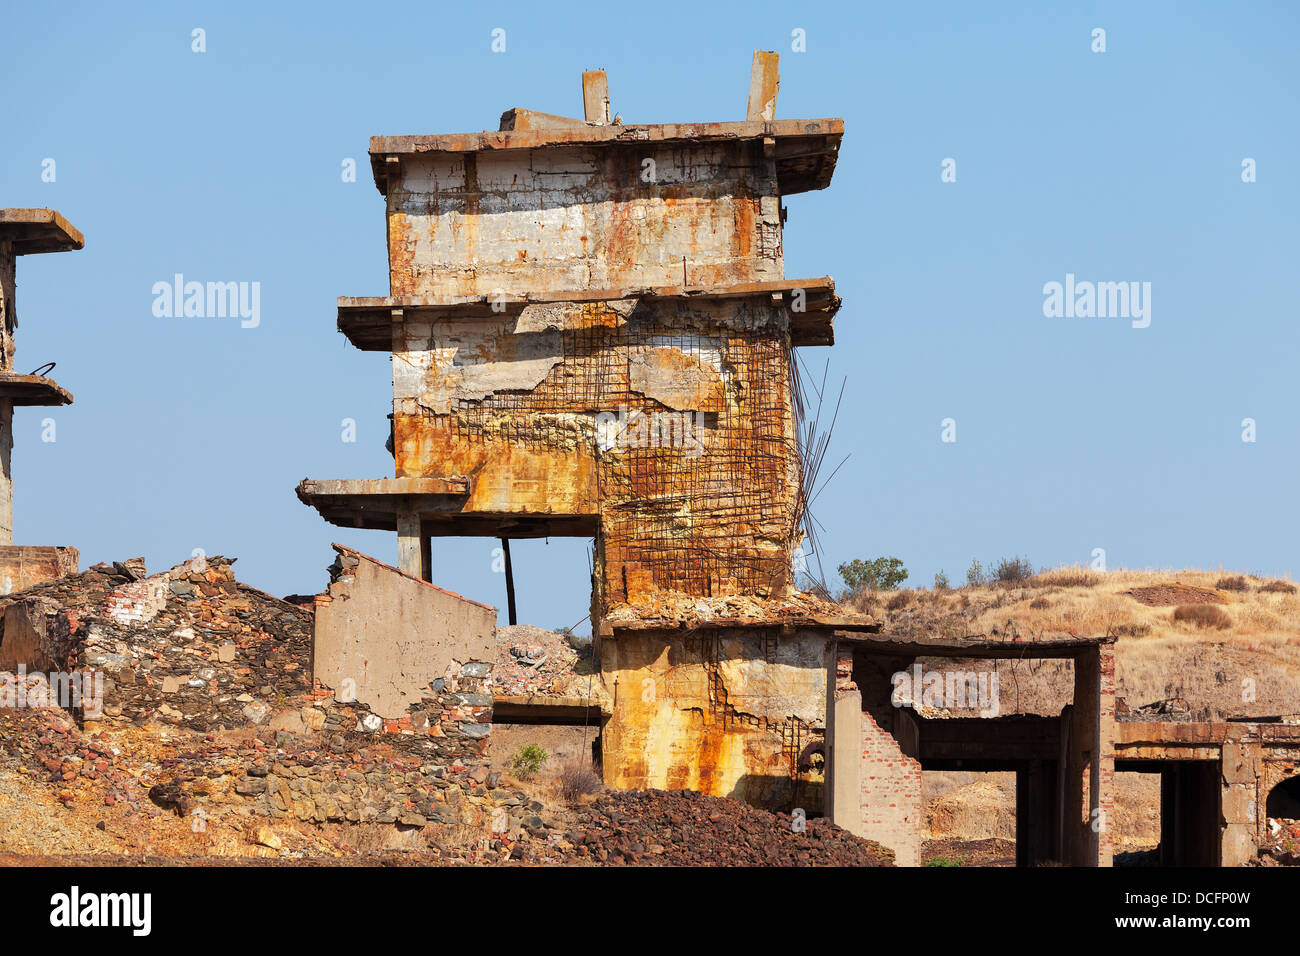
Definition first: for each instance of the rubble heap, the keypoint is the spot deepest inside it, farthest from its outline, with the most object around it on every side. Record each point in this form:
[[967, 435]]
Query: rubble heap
[[533, 661], [686, 828], [191, 646]]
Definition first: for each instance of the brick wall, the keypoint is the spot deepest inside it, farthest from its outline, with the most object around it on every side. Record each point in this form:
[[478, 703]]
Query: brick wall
[[891, 794]]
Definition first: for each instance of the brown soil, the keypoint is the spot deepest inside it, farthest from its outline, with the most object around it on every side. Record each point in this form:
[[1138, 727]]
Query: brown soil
[[992, 852], [1170, 595]]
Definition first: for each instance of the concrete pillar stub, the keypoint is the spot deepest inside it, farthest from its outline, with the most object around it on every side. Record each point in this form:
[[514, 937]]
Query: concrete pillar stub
[[409, 544]]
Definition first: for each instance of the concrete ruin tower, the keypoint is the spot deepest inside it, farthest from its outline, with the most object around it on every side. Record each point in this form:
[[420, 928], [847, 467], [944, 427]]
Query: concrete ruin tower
[[25, 232], [591, 334]]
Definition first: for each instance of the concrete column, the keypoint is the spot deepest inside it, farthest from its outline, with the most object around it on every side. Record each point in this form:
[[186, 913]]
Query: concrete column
[[409, 544], [842, 801], [1090, 772], [844, 760], [6, 479], [426, 558], [1241, 798], [1038, 813]]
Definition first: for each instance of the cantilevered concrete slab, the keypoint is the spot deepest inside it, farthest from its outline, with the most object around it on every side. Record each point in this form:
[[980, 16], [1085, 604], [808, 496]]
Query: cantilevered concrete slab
[[804, 151], [38, 230], [368, 321], [32, 390]]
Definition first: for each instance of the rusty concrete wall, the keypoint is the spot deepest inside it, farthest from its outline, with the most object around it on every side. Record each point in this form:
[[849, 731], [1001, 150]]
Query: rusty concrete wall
[[726, 714], [672, 420], [574, 218], [25, 566], [389, 640]]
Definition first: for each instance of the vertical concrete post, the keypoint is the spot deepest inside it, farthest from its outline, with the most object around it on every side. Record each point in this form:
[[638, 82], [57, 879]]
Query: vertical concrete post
[[1241, 797], [6, 475], [8, 321], [764, 79], [409, 544], [1089, 806], [595, 97], [843, 789]]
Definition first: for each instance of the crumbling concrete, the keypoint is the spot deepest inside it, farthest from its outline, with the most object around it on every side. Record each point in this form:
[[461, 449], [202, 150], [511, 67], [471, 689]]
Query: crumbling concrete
[[395, 642]]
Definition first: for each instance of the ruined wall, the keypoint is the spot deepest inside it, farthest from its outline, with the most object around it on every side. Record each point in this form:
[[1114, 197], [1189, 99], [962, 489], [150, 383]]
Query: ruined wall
[[726, 714], [670, 419], [890, 775], [403, 647], [25, 566], [575, 218]]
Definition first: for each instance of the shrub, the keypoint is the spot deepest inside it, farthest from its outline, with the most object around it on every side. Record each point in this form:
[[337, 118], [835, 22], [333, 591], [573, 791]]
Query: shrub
[[1278, 587], [879, 574], [899, 601], [975, 576], [941, 582], [528, 760], [1013, 571], [1233, 583], [1203, 615], [946, 861], [578, 779], [1039, 603], [1133, 630]]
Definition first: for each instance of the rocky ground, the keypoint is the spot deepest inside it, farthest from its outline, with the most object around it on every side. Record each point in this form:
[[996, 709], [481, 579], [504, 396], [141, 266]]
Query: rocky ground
[[125, 794]]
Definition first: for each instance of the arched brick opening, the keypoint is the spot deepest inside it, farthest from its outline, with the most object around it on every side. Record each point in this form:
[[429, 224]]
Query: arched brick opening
[[1284, 800]]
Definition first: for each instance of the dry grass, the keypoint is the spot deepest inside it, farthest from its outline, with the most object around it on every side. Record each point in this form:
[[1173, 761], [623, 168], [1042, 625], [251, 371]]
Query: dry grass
[[1203, 615], [1157, 656], [578, 781]]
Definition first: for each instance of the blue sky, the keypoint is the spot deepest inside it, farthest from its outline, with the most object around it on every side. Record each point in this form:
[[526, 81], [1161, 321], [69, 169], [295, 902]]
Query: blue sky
[[1072, 434]]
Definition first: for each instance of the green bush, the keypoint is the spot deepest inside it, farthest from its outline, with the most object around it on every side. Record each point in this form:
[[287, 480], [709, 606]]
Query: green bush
[[879, 574], [941, 581], [528, 760], [975, 576]]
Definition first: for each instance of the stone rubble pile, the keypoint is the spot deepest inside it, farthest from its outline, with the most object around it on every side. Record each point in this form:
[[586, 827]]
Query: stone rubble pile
[[534, 661], [685, 828]]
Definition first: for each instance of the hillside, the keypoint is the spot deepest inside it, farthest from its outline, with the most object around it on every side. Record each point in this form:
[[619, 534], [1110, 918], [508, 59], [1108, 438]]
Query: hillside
[[1229, 645]]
